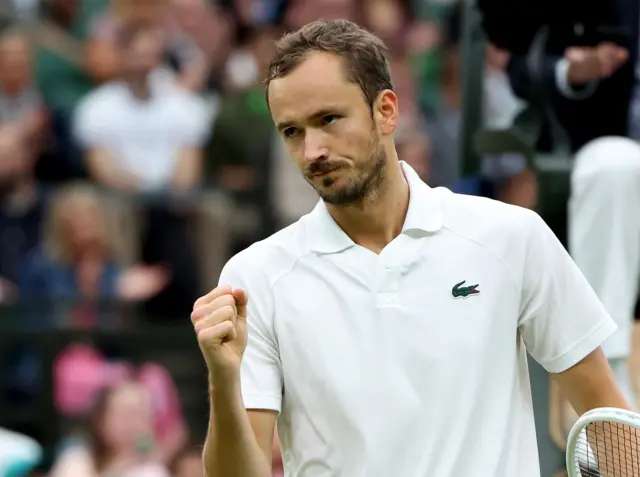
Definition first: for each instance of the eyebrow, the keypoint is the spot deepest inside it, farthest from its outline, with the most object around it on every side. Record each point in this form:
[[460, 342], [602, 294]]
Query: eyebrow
[[318, 114]]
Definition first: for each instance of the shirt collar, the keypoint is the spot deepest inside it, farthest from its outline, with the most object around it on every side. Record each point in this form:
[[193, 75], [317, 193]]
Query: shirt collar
[[424, 215]]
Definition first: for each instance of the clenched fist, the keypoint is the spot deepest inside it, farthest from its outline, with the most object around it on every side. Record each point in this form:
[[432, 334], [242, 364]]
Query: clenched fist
[[220, 321]]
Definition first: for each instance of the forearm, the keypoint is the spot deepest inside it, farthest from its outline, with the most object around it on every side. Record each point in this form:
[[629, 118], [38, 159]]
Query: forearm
[[120, 180], [188, 171], [231, 448], [105, 171]]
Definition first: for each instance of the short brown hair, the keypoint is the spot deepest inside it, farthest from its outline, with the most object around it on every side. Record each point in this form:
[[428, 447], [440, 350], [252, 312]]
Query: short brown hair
[[364, 53]]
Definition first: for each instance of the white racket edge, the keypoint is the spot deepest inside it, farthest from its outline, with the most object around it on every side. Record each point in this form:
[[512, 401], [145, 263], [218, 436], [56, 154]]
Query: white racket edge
[[601, 414]]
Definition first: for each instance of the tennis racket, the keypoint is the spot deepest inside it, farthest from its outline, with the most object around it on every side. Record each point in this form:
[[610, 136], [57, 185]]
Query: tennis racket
[[604, 442]]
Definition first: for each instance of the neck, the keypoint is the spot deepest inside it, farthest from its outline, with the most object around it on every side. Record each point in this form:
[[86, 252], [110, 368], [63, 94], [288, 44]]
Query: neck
[[88, 254], [377, 220], [139, 86]]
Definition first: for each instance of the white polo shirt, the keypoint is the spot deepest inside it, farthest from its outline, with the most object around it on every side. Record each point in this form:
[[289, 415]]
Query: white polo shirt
[[377, 363], [144, 137]]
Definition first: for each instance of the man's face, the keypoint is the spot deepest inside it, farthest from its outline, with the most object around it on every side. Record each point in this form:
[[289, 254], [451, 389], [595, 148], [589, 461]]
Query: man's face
[[329, 129], [144, 52]]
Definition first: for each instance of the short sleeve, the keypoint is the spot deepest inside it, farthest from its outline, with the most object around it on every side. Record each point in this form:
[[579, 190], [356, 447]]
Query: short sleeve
[[195, 119], [261, 371], [561, 318], [90, 124]]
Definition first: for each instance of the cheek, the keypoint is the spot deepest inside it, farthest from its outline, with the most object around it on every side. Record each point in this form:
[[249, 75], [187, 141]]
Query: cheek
[[352, 138]]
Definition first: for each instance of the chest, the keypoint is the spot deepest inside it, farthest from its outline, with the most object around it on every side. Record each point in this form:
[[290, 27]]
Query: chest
[[416, 323], [150, 124]]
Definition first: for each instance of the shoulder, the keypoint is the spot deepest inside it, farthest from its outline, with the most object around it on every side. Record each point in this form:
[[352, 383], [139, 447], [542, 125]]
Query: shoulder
[[102, 98], [265, 262], [501, 229], [181, 104], [37, 262], [477, 215]]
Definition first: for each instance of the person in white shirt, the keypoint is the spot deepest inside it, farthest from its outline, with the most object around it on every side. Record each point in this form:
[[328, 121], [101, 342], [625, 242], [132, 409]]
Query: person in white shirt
[[387, 330], [141, 132]]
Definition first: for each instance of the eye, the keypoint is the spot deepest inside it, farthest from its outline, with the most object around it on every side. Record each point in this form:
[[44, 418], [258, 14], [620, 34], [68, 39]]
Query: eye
[[289, 132], [330, 119]]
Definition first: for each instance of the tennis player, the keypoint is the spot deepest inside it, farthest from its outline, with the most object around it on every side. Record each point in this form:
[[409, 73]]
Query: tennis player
[[387, 331]]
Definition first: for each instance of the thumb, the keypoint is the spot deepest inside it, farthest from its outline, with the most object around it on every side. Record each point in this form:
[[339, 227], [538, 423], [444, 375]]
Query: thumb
[[242, 298]]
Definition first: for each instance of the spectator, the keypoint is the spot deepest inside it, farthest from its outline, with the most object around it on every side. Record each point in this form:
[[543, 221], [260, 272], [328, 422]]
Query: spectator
[[140, 134], [211, 28], [20, 102], [78, 263], [21, 208], [144, 135], [180, 50], [510, 179], [119, 441], [62, 78], [19, 454], [412, 139]]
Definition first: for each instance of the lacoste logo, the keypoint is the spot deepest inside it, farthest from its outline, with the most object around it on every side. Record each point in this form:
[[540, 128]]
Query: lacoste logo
[[459, 291]]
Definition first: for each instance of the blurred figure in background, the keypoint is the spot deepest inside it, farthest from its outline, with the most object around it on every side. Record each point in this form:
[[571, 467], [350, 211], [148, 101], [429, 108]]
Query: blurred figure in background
[[62, 77], [20, 102], [180, 52], [211, 28], [119, 441], [22, 208], [511, 180], [80, 263], [19, 454], [142, 135]]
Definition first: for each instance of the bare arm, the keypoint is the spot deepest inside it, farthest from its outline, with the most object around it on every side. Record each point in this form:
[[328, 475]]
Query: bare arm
[[239, 443], [188, 170], [104, 169], [590, 384]]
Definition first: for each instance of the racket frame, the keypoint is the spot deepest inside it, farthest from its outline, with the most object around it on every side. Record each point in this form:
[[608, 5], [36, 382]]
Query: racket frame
[[601, 414]]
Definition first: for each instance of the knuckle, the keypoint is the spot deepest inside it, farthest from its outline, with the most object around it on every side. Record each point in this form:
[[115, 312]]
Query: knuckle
[[227, 311], [224, 300]]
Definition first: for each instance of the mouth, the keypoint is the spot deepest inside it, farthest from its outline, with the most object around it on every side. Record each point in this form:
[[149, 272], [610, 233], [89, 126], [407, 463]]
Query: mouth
[[326, 172]]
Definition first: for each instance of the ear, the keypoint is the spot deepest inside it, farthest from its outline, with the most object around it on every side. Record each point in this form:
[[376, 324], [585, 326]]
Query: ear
[[385, 112]]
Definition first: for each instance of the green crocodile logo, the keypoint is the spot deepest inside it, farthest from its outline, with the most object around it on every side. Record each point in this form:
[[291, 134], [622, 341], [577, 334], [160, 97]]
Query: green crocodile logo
[[459, 291]]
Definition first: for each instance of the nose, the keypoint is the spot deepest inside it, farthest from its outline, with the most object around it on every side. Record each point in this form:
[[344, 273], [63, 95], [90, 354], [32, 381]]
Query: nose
[[315, 145]]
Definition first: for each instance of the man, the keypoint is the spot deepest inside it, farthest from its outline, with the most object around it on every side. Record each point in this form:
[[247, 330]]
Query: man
[[591, 76], [140, 132], [389, 327], [143, 135]]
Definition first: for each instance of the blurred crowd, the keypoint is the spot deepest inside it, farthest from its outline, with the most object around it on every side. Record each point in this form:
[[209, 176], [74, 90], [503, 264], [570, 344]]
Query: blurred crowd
[[137, 154]]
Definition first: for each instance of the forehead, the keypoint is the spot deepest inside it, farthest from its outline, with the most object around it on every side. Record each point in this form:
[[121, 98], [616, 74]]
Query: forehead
[[318, 83]]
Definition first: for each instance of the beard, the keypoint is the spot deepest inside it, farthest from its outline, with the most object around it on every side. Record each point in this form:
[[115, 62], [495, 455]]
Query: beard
[[363, 183]]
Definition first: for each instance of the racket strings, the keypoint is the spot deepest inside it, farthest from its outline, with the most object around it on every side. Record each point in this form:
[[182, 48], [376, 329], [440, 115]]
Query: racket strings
[[606, 449]]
